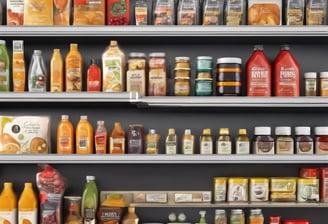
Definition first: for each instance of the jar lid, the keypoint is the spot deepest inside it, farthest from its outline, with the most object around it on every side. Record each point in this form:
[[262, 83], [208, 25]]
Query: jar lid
[[182, 58], [224, 131], [321, 130], [242, 131], [137, 55], [220, 212], [283, 130], [157, 54], [229, 60], [302, 130], [237, 211], [256, 211], [204, 79], [186, 78], [181, 69], [2, 42], [323, 74], [64, 117], [204, 58], [83, 117], [187, 131], [265, 130], [310, 75], [206, 131]]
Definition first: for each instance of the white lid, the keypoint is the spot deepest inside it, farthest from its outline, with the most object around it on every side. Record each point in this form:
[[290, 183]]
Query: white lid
[[321, 130], [64, 117], [90, 178], [220, 212], [229, 60], [323, 74], [2, 42], [283, 130], [137, 54], [237, 211], [187, 132], [157, 54], [100, 122], [204, 58], [152, 131], [265, 130], [83, 117], [302, 130], [182, 58], [38, 52], [256, 211], [310, 75]]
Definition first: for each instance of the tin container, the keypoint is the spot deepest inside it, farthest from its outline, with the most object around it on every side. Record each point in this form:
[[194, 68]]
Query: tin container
[[259, 189], [307, 190], [220, 189], [237, 189]]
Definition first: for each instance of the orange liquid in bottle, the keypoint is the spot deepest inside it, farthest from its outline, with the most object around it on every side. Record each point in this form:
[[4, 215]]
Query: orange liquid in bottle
[[84, 136], [19, 72], [117, 140], [28, 205], [74, 66], [8, 204], [56, 72], [65, 136]]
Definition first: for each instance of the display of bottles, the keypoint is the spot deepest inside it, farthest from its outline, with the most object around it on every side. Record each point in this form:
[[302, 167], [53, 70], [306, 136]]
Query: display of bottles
[[117, 139], [65, 136], [242, 142], [164, 12], [188, 13], [37, 73], [213, 12], [18, 66], [28, 205], [171, 142], [56, 72], [141, 12], [188, 142], [4, 66], [73, 69], [101, 138], [94, 77], [73, 210], [84, 136], [152, 142], [8, 203], [113, 67], [223, 143], [206, 142], [131, 217], [89, 203]]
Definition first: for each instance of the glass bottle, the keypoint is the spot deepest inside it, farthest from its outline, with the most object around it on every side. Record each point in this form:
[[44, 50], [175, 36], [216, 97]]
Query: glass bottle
[[141, 12], [93, 76], [220, 216], [303, 140], [8, 203], [136, 73], [131, 217], [28, 205], [223, 143], [242, 142], [117, 139], [310, 83], [73, 211], [263, 142], [4, 66], [37, 73], [136, 138], [206, 142], [188, 142], [56, 72], [171, 142], [74, 69], [284, 140], [84, 136], [89, 205], [65, 136], [256, 217], [101, 138], [157, 75], [152, 142]]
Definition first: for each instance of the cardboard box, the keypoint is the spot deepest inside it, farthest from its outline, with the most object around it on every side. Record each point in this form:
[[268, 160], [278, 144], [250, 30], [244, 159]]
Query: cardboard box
[[89, 12], [15, 12]]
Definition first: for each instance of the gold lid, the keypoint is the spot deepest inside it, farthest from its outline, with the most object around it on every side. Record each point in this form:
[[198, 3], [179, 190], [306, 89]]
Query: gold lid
[[224, 131], [242, 131], [206, 131], [171, 131]]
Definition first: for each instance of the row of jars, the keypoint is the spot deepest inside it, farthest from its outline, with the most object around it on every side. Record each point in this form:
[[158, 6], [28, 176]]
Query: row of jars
[[238, 216]]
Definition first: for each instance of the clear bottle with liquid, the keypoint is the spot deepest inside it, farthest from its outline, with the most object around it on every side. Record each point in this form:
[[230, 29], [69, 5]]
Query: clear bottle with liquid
[[117, 139], [73, 215], [37, 73], [56, 72], [171, 143], [188, 142], [131, 217], [152, 142], [206, 142], [101, 138], [223, 143], [89, 204]]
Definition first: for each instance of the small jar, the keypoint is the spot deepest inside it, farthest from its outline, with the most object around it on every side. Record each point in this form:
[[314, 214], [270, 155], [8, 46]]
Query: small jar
[[157, 76], [237, 216], [182, 63], [303, 140], [204, 87], [204, 64], [284, 140], [256, 217], [220, 216], [323, 83], [321, 140], [181, 86], [136, 73], [310, 84], [263, 142]]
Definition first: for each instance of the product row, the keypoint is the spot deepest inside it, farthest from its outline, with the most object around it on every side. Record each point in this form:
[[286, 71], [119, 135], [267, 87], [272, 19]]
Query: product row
[[166, 12]]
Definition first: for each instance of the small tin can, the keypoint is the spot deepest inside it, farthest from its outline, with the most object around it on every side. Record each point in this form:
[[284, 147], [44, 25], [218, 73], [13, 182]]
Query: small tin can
[[237, 190], [220, 189], [307, 190], [259, 189]]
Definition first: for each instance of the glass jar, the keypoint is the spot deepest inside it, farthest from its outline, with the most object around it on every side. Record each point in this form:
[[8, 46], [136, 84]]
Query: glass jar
[[73, 210], [182, 67], [256, 217], [204, 87], [182, 86], [136, 73], [321, 140], [263, 142], [310, 84], [204, 64], [157, 77], [303, 140], [223, 143], [220, 216], [237, 216], [284, 140]]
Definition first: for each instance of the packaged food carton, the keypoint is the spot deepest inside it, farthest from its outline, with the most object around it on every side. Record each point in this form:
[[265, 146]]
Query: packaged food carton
[[264, 12], [89, 12], [62, 12], [15, 12]]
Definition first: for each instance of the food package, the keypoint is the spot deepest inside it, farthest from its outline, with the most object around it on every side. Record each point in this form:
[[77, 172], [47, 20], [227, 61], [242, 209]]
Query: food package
[[38, 13], [118, 12], [112, 208], [283, 185], [89, 12], [51, 185], [264, 12], [62, 12], [24, 134], [259, 189], [237, 190], [192, 196], [307, 190], [283, 197], [15, 12]]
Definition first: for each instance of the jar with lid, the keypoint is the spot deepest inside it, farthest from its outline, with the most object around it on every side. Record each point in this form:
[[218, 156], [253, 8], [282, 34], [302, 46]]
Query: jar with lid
[[303, 140], [321, 140], [237, 216], [228, 76], [223, 143], [323, 83], [73, 211], [181, 86], [220, 216], [263, 142], [136, 73], [310, 83], [182, 67], [206, 142], [204, 78], [256, 216], [157, 77], [242, 142], [284, 140]]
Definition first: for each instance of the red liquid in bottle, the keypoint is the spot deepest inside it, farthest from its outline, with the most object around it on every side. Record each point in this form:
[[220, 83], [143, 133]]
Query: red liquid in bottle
[[93, 77]]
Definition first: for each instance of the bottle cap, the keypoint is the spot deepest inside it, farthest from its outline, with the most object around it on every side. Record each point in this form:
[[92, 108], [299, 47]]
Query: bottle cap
[[152, 131], [171, 131], [37, 52], [157, 55], [113, 42], [204, 58], [256, 211], [242, 131], [131, 209], [187, 132], [89, 178], [262, 130], [321, 130], [94, 61], [220, 212], [310, 75], [286, 130], [28, 184], [302, 130], [137, 55], [237, 211], [100, 122], [2, 42], [229, 60], [224, 131], [323, 74], [83, 117], [258, 47], [182, 58], [206, 131], [64, 117], [284, 47]]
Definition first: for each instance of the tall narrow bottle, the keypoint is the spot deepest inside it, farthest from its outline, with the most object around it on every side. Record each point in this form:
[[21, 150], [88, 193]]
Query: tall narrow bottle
[[171, 142], [188, 142], [84, 136], [101, 138], [73, 69], [152, 140], [4, 67], [18, 66], [65, 136], [89, 205], [37, 73], [206, 142], [28, 205], [131, 217], [8, 203], [117, 139], [113, 66], [56, 72]]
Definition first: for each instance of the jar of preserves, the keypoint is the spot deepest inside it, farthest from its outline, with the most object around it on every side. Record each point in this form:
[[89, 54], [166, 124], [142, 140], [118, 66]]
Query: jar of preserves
[[157, 77], [237, 216], [182, 67], [182, 86], [321, 140], [263, 142], [256, 216], [204, 87], [220, 216], [303, 140], [323, 83], [136, 73], [284, 140], [310, 83]]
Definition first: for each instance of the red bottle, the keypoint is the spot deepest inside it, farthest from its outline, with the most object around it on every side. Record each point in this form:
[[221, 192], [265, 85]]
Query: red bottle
[[93, 77], [286, 71], [258, 73]]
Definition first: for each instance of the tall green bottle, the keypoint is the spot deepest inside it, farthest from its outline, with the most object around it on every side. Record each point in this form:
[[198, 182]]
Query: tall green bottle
[[4, 67], [89, 203]]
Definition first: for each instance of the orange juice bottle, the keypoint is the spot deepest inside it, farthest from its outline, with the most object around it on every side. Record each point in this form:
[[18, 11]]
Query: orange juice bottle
[[28, 205], [56, 72], [117, 140], [84, 136], [65, 136], [73, 69], [19, 72], [8, 204]]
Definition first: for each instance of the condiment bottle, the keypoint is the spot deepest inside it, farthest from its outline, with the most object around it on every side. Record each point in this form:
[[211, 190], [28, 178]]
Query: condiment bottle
[[213, 12], [171, 142], [263, 142], [237, 216], [303, 140], [323, 83], [286, 74], [258, 73], [8, 203], [157, 77], [136, 73], [73, 210], [284, 140], [182, 76], [113, 67], [164, 12], [234, 12], [101, 138], [242, 142], [256, 217], [28, 205], [316, 12], [136, 138], [84, 136], [73, 69], [117, 139], [56, 72], [188, 12], [310, 83], [294, 12], [18, 66], [37, 73], [206, 142], [130, 217], [188, 142], [152, 140], [65, 136], [93, 76], [321, 140], [220, 217], [223, 143], [141, 12], [89, 205]]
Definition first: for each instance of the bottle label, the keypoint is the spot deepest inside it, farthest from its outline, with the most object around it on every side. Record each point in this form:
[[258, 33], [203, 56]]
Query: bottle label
[[242, 147], [100, 143], [310, 87], [112, 74], [171, 147], [223, 147], [285, 146], [117, 145], [294, 16], [4, 74], [89, 216], [188, 146], [304, 147], [141, 16], [10, 216], [135, 81], [288, 82], [220, 192], [83, 143], [73, 75], [206, 147], [157, 82], [259, 83], [30, 217], [135, 146], [64, 142], [263, 147]]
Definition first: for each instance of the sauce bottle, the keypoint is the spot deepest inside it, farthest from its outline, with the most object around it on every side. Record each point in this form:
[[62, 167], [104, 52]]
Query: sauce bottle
[[84, 136], [188, 11], [164, 12], [206, 142], [223, 143], [28, 205], [136, 138], [188, 142], [89, 204], [101, 138], [73, 215], [65, 136], [37, 73], [294, 12], [141, 12], [130, 217], [113, 67], [117, 139], [73, 69], [213, 12], [171, 142], [93, 77], [56, 72], [258, 73], [4, 67], [8, 203], [286, 74], [242, 142], [18, 66], [316, 12], [152, 142]]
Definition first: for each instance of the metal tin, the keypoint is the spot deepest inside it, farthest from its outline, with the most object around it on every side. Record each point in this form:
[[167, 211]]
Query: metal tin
[[307, 190], [237, 190], [220, 189], [259, 189]]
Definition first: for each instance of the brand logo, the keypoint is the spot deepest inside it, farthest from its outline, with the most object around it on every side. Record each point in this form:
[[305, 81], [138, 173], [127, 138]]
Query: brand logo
[[287, 73]]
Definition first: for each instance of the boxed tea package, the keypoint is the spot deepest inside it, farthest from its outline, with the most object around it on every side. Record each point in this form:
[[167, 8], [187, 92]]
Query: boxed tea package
[[264, 12], [89, 12], [24, 134]]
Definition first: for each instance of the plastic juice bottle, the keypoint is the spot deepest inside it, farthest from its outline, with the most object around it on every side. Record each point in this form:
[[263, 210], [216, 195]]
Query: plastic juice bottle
[[171, 142], [206, 142], [28, 205], [89, 205], [94, 77], [18, 66], [56, 72], [37, 73], [8, 204], [4, 67], [258, 73], [84, 136], [73, 69], [188, 142], [130, 217], [152, 140], [65, 136], [113, 67], [101, 138], [286, 71], [117, 139]]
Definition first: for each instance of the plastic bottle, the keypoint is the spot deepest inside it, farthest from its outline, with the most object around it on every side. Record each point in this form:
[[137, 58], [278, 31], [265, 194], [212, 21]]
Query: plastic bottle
[[84, 136], [188, 142], [65, 136], [73, 69], [164, 12], [206, 142], [152, 140], [89, 205], [28, 205], [8, 204], [130, 217], [188, 12], [171, 142], [101, 138], [18, 66], [136, 138], [117, 139], [223, 143], [94, 77], [56, 72], [141, 12], [202, 219], [4, 67], [37, 73], [113, 67]]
